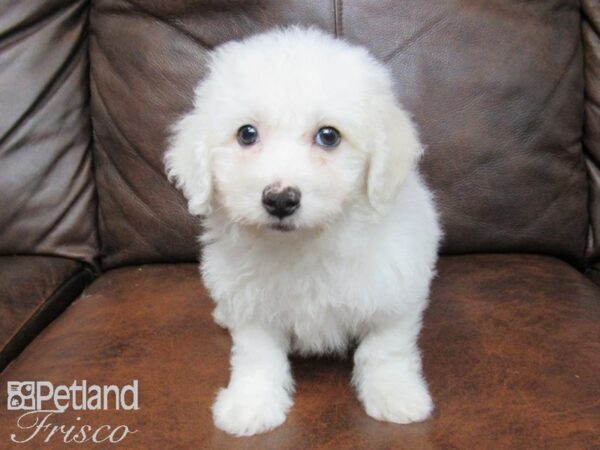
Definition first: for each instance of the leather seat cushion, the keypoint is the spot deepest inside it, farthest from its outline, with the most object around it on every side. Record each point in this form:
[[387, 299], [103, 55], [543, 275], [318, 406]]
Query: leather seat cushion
[[33, 291], [510, 345]]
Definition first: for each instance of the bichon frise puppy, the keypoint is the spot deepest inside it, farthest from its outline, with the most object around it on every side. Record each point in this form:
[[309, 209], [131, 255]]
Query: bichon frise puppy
[[318, 230]]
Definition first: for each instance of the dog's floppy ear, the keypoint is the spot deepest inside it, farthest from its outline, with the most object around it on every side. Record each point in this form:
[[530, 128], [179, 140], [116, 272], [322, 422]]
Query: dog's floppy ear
[[396, 151], [188, 165]]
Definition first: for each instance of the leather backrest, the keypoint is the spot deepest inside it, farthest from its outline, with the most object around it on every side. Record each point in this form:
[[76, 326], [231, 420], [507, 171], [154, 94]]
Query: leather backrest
[[590, 32], [47, 193], [495, 86]]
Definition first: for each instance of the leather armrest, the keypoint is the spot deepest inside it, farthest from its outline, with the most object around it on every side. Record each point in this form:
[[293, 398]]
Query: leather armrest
[[34, 290]]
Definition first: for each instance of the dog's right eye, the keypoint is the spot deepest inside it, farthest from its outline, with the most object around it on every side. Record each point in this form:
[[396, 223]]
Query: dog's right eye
[[327, 137], [247, 135]]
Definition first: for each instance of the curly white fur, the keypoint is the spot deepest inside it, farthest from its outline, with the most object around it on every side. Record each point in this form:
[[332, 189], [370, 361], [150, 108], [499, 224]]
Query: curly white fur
[[358, 262]]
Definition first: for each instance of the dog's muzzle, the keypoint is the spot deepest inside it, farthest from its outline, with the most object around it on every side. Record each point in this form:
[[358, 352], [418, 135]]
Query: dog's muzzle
[[281, 202]]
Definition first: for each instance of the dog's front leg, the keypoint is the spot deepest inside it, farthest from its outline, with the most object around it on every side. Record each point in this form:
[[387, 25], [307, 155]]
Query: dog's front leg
[[259, 394], [387, 372]]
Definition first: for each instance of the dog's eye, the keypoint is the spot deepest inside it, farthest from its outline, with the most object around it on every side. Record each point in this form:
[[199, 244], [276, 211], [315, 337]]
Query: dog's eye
[[247, 135], [327, 137]]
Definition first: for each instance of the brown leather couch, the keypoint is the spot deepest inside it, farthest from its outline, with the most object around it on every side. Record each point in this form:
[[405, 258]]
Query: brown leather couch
[[507, 95]]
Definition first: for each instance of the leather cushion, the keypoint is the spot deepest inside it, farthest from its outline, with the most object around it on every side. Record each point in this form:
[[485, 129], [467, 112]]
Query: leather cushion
[[590, 33], [146, 58], [496, 87], [510, 347], [33, 291], [48, 199]]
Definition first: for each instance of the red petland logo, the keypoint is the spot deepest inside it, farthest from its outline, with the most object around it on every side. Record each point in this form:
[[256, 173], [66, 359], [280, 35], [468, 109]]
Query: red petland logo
[[43, 401]]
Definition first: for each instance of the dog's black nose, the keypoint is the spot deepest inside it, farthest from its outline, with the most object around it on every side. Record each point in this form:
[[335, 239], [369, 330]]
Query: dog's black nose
[[281, 203]]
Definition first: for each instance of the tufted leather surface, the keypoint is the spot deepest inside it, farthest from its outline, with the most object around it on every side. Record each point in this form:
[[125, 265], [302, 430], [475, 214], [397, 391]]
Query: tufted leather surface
[[510, 348], [496, 86], [33, 291], [590, 34], [47, 200]]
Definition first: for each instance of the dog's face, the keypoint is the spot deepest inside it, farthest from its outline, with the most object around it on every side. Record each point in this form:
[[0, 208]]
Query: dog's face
[[289, 129]]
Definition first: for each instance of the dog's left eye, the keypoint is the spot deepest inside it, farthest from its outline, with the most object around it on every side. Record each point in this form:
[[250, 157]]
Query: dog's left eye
[[247, 135], [327, 137]]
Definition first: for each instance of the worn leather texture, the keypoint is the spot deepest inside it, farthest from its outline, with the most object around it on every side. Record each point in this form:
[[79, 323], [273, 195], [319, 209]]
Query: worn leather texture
[[510, 346], [590, 34], [47, 201], [33, 291], [496, 88]]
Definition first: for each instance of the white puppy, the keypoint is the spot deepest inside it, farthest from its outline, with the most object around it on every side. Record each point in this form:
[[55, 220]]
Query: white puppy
[[318, 229]]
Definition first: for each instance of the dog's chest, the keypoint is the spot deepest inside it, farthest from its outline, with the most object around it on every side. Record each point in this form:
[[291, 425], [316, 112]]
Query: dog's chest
[[313, 296]]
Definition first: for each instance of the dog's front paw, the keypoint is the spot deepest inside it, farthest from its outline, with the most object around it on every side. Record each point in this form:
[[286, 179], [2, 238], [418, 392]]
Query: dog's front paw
[[394, 400], [244, 412]]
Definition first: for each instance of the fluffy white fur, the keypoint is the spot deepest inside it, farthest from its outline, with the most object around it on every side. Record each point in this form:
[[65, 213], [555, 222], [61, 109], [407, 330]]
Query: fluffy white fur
[[358, 261]]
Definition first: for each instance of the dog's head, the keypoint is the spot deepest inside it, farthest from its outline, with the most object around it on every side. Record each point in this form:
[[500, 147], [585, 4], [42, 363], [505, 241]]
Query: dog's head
[[288, 129]]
